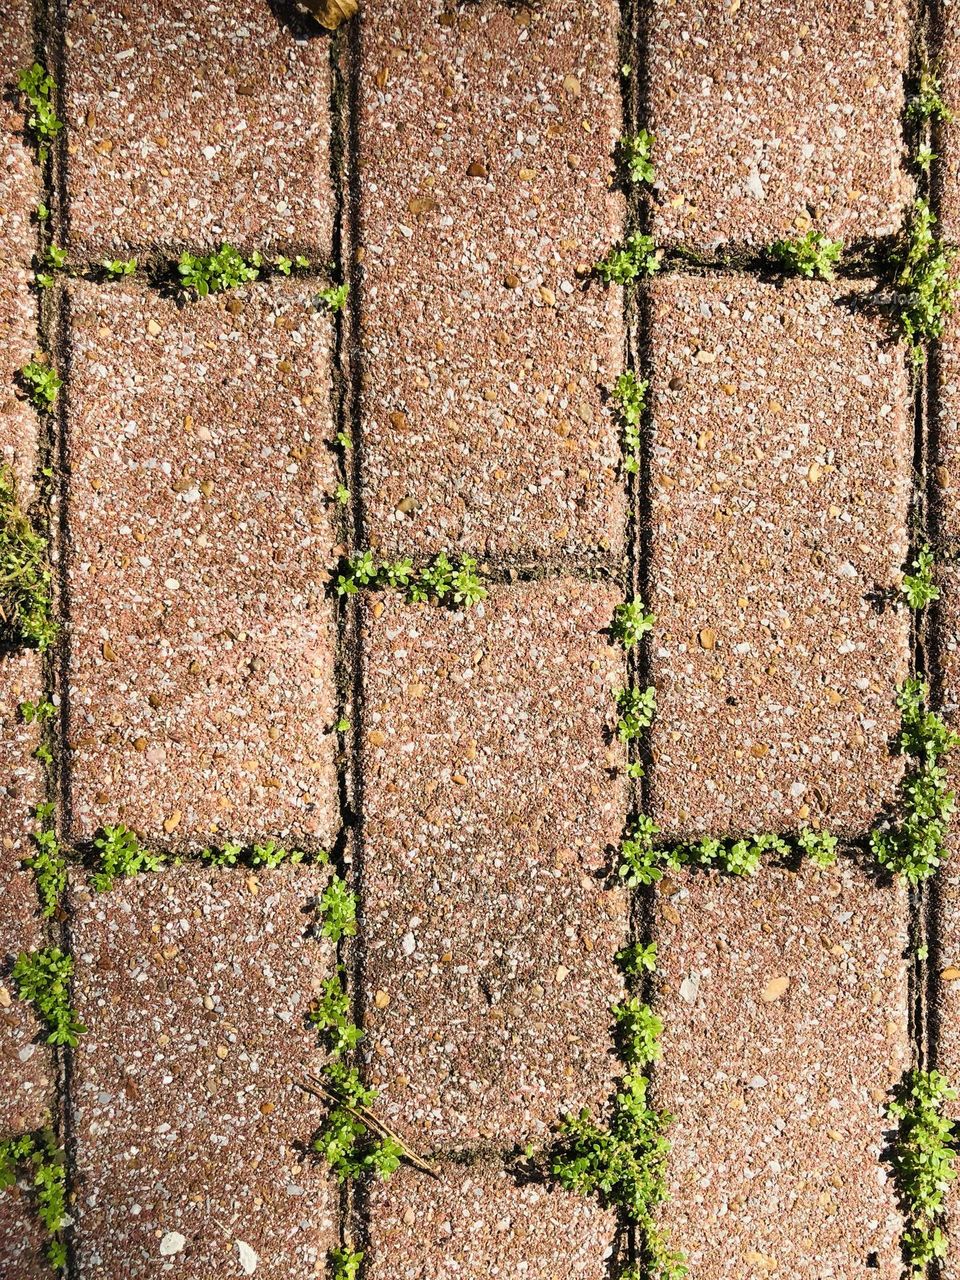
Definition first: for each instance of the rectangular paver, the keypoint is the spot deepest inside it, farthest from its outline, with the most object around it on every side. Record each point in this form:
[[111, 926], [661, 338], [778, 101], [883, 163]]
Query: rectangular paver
[[945, 48], [770, 119], [486, 141], [188, 1122], [159, 161], [475, 1223], [26, 1078], [19, 193], [781, 472], [784, 1002], [490, 801], [945, 953], [201, 697]]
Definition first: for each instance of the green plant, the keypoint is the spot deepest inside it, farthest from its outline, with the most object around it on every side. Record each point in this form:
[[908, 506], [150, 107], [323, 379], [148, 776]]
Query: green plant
[[117, 268], [924, 275], [335, 297], [286, 265], [42, 382], [927, 103], [47, 862], [629, 395], [641, 862], [216, 272], [26, 607], [121, 854], [922, 1157], [630, 622], [341, 494], [636, 156], [913, 845], [637, 708], [638, 958], [40, 1157], [734, 857], [43, 977], [37, 711], [338, 910], [809, 255], [271, 854], [819, 846], [924, 158], [458, 583], [345, 1264], [42, 212], [357, 571], [638, 1032], [38, 87], [637, 256], [919, 588], [331, 1015]]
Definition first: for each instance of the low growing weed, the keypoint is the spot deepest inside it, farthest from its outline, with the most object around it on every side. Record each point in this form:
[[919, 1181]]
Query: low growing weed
[[630, 622], [453, 583], [42, 384], [47, 862], [37, 87], [928, 102], [636, 156], [629, 395], [121, 854], [923, 1157], [43, 977], [637, 708], [912, 845], [809, 256], [925, 278], [37, 1157], [919, 588], [26, 606], [637, 256]]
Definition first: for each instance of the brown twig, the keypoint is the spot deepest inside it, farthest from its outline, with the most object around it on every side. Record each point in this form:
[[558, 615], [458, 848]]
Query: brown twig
[[320, 1090]]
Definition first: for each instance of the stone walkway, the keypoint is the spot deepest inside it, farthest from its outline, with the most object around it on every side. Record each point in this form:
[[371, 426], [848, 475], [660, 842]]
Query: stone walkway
[[224, 673]]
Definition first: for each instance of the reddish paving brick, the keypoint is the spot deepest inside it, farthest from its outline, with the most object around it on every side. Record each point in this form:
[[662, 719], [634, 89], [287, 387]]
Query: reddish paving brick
[[781, 472], [945, 472], [490, 797], [477, 1222], [485, 354], [22, 1238], [769, 117], [19, 193], [158, 161], [201, 640], [194, 986], [946, 172], [25, 1065], [778, 1095]]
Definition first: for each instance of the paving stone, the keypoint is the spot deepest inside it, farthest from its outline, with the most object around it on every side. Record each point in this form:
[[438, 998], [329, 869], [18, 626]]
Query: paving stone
[[781, 470], [194, 986], [945, 442], [770, 118], [945, 954], [485, 353], [946, 172], [201, 687], [490, 799], [159, 162], [476, 1223], [26, 1077], [21, 1237], [19, 193], [778, 1090]]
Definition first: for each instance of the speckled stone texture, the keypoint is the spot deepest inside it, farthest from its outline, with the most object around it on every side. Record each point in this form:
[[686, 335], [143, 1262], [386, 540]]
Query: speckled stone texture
[[25, 1066], [19, 193], [945, 955], [784, 1000], [22, 1237], [194, 124], [194, 986], [490, 800], [780, 481], [946, 172], [945, 453], [476, 1223], [201, 696], [771, 117], [485, 351]]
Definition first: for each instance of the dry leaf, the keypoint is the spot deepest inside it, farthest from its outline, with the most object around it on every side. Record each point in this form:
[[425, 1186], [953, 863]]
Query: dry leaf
[[950, 975], [330, 13], [774, 989]]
